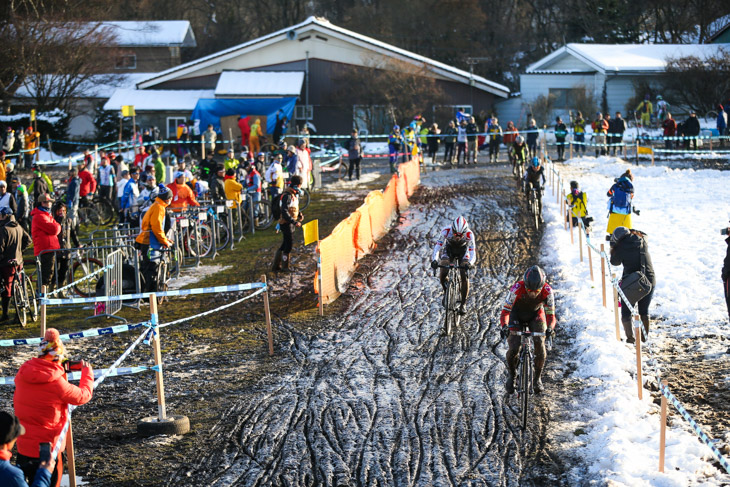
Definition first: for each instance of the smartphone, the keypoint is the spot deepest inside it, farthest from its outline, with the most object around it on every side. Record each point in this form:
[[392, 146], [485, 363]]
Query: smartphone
[[723, 231], [45, 452]]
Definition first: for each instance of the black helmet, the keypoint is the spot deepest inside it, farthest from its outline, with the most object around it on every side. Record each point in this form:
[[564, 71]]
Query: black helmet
[[574, 185], [618, 234], [534, 278]]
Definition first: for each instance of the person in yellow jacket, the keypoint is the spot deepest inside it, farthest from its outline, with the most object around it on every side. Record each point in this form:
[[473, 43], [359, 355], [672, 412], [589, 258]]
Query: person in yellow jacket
[[577, 206], [32, 141], [232, 188], [230, 162], [644, 111], [153, 237], [3, 174], [254, 137]]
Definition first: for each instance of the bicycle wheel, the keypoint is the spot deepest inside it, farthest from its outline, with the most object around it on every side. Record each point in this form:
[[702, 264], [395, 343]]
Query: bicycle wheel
[[30, 297], [265, 217], [535, 212], [89, 219], [19, 302], [106, 210], [304, 200], [82, 268], [162, 278], [204, 236], [222, 235], [525, 385]]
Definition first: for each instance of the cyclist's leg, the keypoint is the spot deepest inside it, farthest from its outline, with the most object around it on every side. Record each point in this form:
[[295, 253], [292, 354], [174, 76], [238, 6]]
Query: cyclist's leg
[[443, 273], [538, 194], [539, 324], [513, 351], [464, 289]]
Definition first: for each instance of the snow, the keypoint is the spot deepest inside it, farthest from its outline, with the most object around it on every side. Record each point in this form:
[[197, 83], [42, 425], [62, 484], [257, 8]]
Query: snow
[[98, 86], [259, 83], [192, 275], [682, 211], [165, 100], [639, 57], [151, 33]]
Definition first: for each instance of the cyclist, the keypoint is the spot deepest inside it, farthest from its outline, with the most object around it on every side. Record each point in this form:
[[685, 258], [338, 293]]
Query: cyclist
[[41, 183], [518, 151], [153, 235], [13, 240], [455, 242], [530, 302], [533, 174]]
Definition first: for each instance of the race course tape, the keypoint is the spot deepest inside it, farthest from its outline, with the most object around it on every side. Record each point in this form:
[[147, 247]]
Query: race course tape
[[703, 437], [179, 292], [109, 330], [76, 375]]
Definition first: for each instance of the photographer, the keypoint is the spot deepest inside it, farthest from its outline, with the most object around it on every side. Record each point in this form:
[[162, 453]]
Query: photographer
[[726, 270], [10, 430], [41, 400], [630, 249]]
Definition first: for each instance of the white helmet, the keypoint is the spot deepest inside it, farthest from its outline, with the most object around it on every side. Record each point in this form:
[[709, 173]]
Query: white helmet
[[459, 227]]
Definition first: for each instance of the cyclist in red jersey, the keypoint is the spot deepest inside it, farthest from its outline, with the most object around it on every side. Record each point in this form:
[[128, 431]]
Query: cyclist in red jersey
[[530, 301]]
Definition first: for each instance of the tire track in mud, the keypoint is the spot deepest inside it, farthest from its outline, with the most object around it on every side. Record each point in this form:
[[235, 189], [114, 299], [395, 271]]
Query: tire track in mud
[[382, 398]]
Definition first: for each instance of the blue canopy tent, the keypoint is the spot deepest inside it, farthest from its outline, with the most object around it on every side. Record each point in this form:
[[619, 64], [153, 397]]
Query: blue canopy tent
[[210, 111]]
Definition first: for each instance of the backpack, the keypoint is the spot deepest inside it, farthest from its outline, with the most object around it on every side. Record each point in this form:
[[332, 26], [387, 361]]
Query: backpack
[[622, 194]]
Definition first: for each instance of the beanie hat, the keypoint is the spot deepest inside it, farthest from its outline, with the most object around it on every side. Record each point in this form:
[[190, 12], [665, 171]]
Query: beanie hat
[[10, 428], [52, 345]]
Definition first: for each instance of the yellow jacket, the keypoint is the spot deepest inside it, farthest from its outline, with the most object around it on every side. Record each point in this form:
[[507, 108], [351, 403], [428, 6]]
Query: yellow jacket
[[578, 203], [154, 222], [3, 174], [233, 191], [256, 130]]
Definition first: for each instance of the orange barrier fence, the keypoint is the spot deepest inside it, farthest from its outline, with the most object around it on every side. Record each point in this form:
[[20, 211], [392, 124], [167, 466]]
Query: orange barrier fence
[[355, 236]]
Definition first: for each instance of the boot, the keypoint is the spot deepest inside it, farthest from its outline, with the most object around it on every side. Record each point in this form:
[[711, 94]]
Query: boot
[[285, 262], [628, 329], [510, 384], [277, 262], [645, 322], [6, 305], [537, 380]]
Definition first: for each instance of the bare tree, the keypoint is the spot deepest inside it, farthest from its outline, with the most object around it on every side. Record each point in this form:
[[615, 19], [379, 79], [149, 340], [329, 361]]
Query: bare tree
[[699, 84]]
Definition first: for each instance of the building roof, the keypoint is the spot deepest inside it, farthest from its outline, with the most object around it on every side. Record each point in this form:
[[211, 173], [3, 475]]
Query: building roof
[[99, 86], [154, 33], [165, 100], [322, 26], [259, 83], [633, 58]]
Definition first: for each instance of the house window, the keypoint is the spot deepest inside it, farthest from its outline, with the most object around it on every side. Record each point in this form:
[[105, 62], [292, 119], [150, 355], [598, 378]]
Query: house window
[[304, 112], [127, 61], [564, 97], [172, 124], [372, 119]]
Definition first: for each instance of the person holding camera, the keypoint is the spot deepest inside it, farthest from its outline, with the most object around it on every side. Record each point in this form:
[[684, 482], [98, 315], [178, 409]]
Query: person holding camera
[[41, 400], [726, 270], [630, 249], [11, 476]]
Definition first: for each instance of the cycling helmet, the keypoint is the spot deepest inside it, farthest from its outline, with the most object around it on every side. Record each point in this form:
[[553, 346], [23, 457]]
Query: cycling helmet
[[535, 161], [618, 234], [520, 139], [459, 227], [534, 278]]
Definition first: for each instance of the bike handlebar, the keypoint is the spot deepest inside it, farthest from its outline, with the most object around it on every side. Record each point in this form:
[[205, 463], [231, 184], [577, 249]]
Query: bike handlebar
[[528, 333]]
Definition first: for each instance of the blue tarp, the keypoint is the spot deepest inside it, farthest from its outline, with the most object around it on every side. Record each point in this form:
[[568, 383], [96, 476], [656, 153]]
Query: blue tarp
[[210, 111]]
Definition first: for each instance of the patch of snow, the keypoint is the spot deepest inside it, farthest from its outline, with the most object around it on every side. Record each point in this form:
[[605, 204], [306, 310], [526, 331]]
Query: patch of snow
[[194, 274]]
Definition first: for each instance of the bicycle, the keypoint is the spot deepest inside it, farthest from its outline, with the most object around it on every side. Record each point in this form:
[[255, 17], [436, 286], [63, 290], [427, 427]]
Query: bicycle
[[23, 296], [533, 205], [263, 216], [525, 373], [80, 266], [452, 296], [163, 272]]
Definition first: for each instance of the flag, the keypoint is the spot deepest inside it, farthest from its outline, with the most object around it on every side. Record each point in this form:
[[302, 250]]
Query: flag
[[646, 150], [32, 115], [127, 110], [311, 232]]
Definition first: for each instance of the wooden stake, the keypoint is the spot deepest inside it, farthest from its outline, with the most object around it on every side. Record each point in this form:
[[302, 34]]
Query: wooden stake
[[70, 456], [663, 430], [267, 314], [590, 262], [603, 274], [44, 290], [637, 339], [580, 240], [157, 354], [569, 222], [615, 308], [319, 279]]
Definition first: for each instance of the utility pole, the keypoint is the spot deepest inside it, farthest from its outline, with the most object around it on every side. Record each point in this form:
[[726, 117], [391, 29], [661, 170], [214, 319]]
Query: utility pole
[[471, 61]]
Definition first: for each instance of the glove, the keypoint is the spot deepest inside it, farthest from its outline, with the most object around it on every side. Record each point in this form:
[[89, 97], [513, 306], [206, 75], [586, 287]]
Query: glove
[[638, 213], [504, 332], [550, 332], [434, 264], [468, 265]]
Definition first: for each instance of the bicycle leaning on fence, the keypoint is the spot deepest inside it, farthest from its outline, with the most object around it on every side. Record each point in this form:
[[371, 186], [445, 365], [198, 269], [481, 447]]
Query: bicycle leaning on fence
[[23, 295], [525, 368]]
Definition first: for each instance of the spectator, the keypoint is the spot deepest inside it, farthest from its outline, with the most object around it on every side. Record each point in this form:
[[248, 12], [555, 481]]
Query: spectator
[[253, 189], [216, 187], [630, 249], [304, 164], [461, 142], [275, 177], [471, 140], [140, 157], [182, 195], [120, 188], [253, 139], [280, 127], [44, 231], [182, 166], [618, 128], [644, 111], [160, 173], [209, 137], [20, 193], [147, 194], [395, 143], [726, 271], [721, 123], [433, 142], [230, 162], [291, 160], [290, 218], [106, 179], [510, 133], [495, 139], [577, 202], [245, 129], [73, 194], [10, 476], [450, 143], [208, 167], [7, 200], [691, 131], [41, 400], [670, 131], [119, 165], [67, 239], [233, 188], [9, 140], [532, 135], [87, 187], [13, 240], [461, 115], [41, 183], [600, 128], [128, 204], [620, 203], [561, 132], [89, 161], [9, 171], [354, 155], [579, 133], [260, 162], [662, 110], [32, 141], [3, 161]]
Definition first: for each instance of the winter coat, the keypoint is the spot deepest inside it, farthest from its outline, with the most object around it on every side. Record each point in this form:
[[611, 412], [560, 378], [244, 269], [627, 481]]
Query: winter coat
[[275, 175], [21, 198], [692, 126], [153, 226], [42, 396], [354, 148], [561, 131], [578, 203], [44, 231], [291, 163], [216, 189], [159, 171], [41, 184], [182, 196], [532, 135], [471, 131], [721, 122], [73, 192], [726, 262], [9, 200], [88, 183], [626, 252], [450, 137], [289, 204], [3, 175], [68, 239], [600, 126], [13, 241], [12, 476], [9, 142], [510, 133], [233, 190], [670, 127]]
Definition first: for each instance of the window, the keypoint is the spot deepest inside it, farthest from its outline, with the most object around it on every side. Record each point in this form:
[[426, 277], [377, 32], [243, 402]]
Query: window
[[126, 61], [304, 112], [564, 97], [372, 119], [172, 125]]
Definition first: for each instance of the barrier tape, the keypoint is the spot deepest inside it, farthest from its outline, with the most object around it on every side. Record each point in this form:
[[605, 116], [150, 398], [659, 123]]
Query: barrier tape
[[76, 375], [85, 278], [109, 330], [698, 431], [179, 292], [220, 308]]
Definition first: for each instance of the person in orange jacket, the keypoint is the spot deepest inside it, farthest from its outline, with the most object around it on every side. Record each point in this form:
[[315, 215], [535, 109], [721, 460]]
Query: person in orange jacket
[[182, 195], [232, 188], [41, 400], [253, 137], [153, 237]]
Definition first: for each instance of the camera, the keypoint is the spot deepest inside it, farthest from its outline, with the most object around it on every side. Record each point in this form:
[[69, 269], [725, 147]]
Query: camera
[[723, 231], [45, 452], [71, 365]]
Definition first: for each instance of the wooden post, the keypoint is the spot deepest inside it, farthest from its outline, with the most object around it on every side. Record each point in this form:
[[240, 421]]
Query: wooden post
[[267, 314], [663, 430], [637, 339], [202, 147], [70, 456], [590, 261], [652, 157], [603, 274], [157, 354], [615, 308], [637, 150], [44, 290], [319, 279], [710, 137], [580, 240], [230, 136], [569, 221]]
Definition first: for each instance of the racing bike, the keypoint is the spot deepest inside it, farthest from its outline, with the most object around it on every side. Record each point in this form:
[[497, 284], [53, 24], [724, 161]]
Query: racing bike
[[23, 296], [525, 369], [533, 205], [452, 296]]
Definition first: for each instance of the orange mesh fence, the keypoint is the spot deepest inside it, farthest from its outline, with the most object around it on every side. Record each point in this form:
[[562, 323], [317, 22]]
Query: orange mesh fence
[[355, 236]]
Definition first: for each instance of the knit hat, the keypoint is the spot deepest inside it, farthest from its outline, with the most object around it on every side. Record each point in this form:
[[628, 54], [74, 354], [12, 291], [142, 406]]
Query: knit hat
[[10, 428], [52, 345]]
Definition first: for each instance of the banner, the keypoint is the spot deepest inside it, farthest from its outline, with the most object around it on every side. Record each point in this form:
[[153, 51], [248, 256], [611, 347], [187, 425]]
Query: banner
[[128, 111], [32, 115], [311, 232], [646, 150]]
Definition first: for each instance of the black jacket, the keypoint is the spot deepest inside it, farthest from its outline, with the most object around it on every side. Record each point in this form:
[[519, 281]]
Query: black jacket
[[626, 252], [13, 240], [692, 126], [471, 131], [67, 237], [726, 262]]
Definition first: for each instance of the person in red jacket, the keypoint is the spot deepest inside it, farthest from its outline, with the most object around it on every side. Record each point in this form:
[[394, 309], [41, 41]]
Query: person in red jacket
[[44, 232], [41, 401], [88, 183], [245, 129], [530, 303]]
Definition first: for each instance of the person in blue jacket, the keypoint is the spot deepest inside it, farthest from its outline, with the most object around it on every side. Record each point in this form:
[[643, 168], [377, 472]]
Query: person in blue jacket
[[10, 475]]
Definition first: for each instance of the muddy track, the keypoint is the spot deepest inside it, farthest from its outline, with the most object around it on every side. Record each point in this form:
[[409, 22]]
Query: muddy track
[[380, 397]]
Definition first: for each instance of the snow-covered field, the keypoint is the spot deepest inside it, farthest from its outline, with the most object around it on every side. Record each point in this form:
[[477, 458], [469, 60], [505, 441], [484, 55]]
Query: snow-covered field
[[682, 211]]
